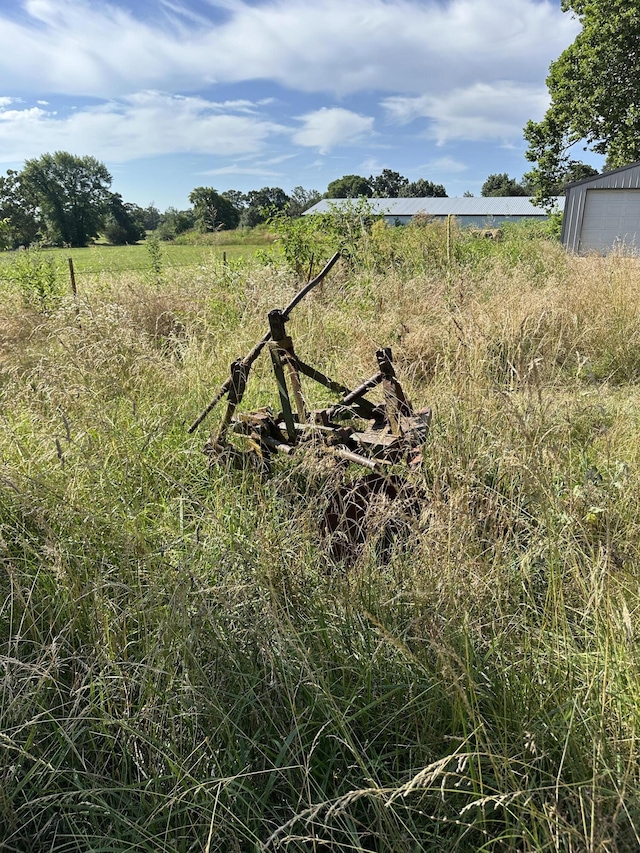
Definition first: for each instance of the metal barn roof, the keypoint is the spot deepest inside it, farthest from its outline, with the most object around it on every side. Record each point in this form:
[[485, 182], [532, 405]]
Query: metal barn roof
[[490, 206]]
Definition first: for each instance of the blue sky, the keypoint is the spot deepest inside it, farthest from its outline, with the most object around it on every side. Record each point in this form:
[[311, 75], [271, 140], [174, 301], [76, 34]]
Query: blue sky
[[241, 94]]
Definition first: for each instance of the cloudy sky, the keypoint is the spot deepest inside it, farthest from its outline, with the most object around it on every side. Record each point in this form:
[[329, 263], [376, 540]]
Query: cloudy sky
[[240, 94]]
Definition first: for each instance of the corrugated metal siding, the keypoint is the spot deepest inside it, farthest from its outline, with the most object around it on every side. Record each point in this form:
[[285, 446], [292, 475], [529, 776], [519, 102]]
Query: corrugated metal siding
[[509, 206], [626, 178]]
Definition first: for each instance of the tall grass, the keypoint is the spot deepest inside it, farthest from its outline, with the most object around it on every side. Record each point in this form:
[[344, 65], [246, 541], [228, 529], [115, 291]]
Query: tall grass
[[182, 666]]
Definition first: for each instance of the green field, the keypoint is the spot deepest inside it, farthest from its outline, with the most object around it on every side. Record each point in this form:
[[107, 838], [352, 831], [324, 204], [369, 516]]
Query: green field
[[182, 665], [115, 259]]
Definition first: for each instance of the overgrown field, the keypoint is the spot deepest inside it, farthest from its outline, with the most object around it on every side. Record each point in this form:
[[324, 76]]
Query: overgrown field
[[182, 667]]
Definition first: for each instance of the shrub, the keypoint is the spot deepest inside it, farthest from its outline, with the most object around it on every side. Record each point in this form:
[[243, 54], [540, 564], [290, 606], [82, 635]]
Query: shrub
[[38, 279]]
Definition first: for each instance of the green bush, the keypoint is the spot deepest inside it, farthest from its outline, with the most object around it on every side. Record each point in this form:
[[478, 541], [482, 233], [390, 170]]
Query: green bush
[[38, 278]]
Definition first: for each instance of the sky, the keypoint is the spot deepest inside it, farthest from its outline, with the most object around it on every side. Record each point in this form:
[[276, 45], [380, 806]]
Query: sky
[[242, 94]]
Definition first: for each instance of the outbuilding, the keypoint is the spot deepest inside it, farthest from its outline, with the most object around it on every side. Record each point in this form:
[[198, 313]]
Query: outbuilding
[[481, 212], [602, 214]]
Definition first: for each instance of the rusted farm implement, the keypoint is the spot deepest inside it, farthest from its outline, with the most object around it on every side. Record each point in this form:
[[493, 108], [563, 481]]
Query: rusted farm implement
[[353, 430]]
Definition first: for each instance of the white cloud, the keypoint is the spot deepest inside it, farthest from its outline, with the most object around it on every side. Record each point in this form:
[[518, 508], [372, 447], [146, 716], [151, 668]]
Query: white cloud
[[411, 46], [331, 127], [445, 165], [142, 125], [482, 111], [371, 166]]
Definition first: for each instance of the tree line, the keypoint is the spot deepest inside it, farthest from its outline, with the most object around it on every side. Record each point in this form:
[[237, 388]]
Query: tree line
[[64, 200]]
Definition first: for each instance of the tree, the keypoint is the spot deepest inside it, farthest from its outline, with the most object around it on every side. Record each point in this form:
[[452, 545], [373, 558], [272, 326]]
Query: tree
[[174, 222], [571, 171], [301, 200], [349, 186], [238, 199], [21, 225], [151, 218], [423, 189], [594, 87], [261, 204], [502, 185], [212, 211], [388, 184], [123, 222], [71, 194]]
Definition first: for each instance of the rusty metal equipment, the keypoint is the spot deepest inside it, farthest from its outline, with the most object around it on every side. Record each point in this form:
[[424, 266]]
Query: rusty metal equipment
[[353, 429]]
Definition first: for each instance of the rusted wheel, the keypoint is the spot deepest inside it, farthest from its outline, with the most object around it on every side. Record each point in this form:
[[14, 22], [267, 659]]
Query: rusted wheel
[[375, 508]]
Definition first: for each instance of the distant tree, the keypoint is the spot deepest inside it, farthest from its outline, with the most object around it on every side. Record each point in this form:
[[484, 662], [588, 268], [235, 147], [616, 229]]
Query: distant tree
[[123, 222], [261, 204], [238, 199], [573, 170], [18, 213], [576, 171], [423, 189], [301, 200], [388, 184], [502, 185], [174, 222], [151, 217], [212, 211], [349, 186], [594, 87], [467, 194], [71, 194]]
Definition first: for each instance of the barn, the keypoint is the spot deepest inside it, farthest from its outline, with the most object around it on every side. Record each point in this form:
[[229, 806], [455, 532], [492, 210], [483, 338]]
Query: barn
[[602, 214], [481, 212]]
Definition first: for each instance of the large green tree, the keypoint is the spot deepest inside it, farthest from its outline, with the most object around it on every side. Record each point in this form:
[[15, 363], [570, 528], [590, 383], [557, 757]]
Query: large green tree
[[261, 204], [123, 222], [423, 189], [388, 184], [349, 186], [18, 213], [72, 194], [212, 210], [501, 184], [595, 94]]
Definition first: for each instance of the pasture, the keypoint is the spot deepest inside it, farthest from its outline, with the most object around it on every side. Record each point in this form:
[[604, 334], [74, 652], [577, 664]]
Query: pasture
[[182, 666], [105, 259]]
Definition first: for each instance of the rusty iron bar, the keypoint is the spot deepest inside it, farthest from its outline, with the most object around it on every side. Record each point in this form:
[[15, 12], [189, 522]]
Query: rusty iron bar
[[253, 354], [395, 401], [288, 357], [361, 390], [74, 290], [278, 446], [321, 379], [350, 456], [357, 396], [238, 383]]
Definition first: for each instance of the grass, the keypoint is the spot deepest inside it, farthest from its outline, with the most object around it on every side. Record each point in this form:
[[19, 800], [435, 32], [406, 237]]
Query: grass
[[117, 259], [183, 669]]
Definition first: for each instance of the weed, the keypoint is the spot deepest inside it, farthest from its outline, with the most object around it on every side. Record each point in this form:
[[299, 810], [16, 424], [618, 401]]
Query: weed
[[37, 277], [156, 261]]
